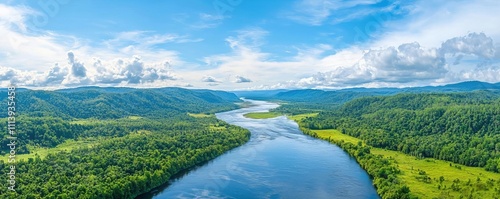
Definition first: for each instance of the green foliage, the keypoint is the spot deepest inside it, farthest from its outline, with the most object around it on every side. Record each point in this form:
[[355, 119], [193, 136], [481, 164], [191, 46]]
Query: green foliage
[[141, 137], [124, 167], [97, 103], [385, 174], [459, 127], [262, 115]]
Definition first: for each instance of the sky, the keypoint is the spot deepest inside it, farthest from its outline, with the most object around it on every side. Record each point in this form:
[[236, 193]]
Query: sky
[[248, 44]]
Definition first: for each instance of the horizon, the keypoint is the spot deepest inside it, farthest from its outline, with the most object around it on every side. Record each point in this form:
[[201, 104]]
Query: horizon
[[225, 45], [230, 91]]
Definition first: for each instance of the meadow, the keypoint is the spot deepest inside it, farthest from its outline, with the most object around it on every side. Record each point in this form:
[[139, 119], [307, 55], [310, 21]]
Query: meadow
[[428, 177]]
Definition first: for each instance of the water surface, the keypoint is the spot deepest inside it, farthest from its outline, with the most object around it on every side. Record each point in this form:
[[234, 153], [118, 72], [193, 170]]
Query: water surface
[[278, 162]]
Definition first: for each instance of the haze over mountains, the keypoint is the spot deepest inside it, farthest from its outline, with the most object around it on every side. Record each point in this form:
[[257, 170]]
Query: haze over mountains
[[344, 95], [117, 102]]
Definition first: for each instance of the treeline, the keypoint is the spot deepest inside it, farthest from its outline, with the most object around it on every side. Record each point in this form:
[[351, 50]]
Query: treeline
[[124, 167], [384, 174], [460, 127], [39, 131], [128, 155], [48, 132], [102, 104]]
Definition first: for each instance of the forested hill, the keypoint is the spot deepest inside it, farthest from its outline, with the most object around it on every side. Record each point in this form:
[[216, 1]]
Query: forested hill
[[460, 127], [102, 103], [341, 96], [94, 142]]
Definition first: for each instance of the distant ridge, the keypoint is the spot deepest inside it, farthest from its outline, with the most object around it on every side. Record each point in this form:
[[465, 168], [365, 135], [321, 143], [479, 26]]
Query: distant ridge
[[344, 95], [110, 102]]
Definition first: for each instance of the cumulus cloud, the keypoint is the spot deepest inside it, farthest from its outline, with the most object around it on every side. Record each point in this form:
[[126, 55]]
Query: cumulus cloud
[[6, 74], [17, 77], [209, 79], [131, 71], [473, 44], [411, 63], [55, 75], [77, 68], [240, 79], [406, 63], [47, 54]]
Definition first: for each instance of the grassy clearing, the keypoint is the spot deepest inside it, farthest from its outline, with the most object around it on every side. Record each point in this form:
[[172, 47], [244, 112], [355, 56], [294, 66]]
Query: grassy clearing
[[439, 180], [297, 118], [68, 145], [413, 168], [134, 117], [86, 121], [262, 115], [200, 115]]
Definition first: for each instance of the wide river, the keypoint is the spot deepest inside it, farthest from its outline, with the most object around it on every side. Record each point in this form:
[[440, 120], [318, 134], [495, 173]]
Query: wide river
[[278, 162]]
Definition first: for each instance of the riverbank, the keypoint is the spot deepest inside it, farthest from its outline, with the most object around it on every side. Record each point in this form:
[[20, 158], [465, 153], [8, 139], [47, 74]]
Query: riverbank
[[425, 177], [278, 161]]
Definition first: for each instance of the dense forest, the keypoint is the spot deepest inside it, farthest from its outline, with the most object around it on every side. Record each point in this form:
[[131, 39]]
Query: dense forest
[[118, 103], [459, 127], [140, 138]]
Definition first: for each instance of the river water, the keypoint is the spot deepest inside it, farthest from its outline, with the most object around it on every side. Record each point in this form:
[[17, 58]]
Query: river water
[[278, 162]]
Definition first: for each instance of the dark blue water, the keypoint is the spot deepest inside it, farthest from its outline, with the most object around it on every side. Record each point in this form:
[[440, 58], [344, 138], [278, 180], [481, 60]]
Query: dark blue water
[[278, 162]]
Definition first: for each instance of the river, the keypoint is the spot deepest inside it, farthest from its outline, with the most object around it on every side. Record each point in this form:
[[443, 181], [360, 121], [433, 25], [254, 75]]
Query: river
[[278, 162]]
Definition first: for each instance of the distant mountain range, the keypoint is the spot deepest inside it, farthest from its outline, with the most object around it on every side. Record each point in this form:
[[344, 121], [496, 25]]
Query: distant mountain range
[[179, 99], [344, 95]]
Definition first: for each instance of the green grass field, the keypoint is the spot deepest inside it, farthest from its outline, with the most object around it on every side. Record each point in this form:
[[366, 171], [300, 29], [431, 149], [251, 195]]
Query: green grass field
[[200, 115], [441, 176], [262, 115], [134, 117], [301, 116], [68, 145]]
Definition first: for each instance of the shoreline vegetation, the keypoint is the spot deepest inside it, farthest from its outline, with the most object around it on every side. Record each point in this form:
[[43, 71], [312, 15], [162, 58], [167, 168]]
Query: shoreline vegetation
[[262, 115], [399, 175], [136, 140], [438, 145], [102, 167], [386, 176]]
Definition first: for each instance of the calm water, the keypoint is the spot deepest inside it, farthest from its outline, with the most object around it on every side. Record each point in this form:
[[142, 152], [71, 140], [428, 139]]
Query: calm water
[[278, 162]]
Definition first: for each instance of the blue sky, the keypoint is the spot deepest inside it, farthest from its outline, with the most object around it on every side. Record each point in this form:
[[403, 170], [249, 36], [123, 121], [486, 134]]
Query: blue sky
[[248, 44]]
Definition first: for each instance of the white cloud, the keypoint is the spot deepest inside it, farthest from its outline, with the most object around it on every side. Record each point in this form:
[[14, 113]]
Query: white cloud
[[477, 44], [17, 46], [432, 23], [411, 64], [422, 48], [36, 58], [55, 76], [240, 79], [209, 79], [248, 38], [247, 59], [77, 68]]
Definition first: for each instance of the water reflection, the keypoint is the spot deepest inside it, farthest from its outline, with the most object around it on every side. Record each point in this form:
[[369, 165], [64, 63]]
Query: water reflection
[[278, 162]]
